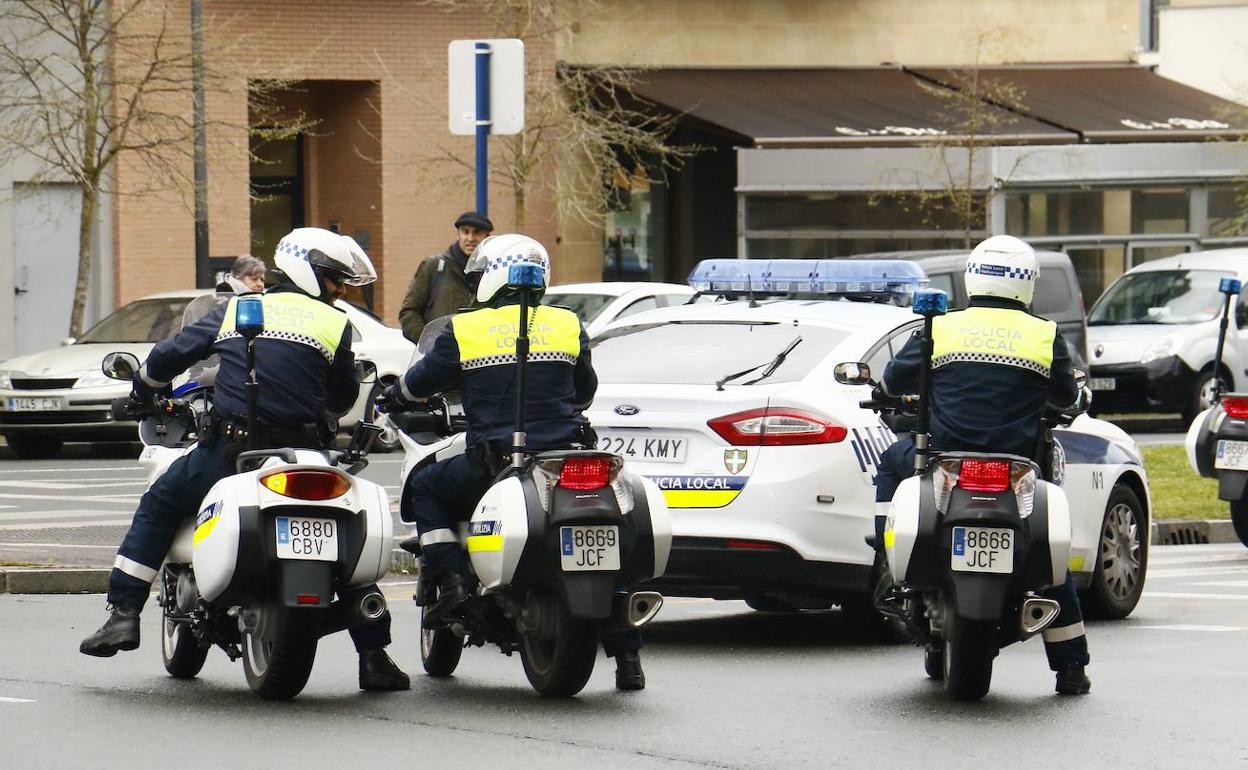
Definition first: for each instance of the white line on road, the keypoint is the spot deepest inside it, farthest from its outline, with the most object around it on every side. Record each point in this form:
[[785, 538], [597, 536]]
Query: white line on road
[[80, 469], [119, 499], [54, 545], [1222, 583], [67, 524], [13, 519], [1179, 573], [15, 700], [71, 484], [1155, 560], [1191, 627], [1169, 595]]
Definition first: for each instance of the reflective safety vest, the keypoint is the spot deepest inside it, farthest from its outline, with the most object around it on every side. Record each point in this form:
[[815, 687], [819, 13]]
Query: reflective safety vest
[[487, 337], [989, 335], [296, 318]]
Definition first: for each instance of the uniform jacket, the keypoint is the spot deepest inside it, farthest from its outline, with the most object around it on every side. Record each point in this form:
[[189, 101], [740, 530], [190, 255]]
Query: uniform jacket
[[453, 291], [477, 353], [994, 368], [304, 362]]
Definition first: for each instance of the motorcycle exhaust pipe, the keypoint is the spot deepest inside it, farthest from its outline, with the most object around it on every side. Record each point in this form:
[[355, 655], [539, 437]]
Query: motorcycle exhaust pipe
[[342, 615], [372, 605], [1036, 615], [643, 606]]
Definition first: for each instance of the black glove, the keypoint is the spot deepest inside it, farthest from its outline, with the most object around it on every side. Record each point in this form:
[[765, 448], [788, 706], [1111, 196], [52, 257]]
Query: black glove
[[392, 399]]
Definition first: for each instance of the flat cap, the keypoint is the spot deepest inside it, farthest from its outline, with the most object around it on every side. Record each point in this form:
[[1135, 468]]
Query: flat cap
[[474, 219]]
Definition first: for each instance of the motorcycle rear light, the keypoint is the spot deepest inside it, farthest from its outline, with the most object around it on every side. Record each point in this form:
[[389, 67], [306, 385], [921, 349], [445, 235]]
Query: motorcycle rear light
[[585, 473], [752, 545], [776, 426], [308, 599], [1235, 406], [984, 475], [307, 485]]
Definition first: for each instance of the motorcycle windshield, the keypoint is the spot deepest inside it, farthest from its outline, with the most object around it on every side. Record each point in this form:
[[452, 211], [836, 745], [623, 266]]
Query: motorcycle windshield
[[428, 337], [201, 374]]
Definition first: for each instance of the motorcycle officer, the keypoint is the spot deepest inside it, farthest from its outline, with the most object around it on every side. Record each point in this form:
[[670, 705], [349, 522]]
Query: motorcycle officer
[[476, 353], [995, 367], [305, 365]]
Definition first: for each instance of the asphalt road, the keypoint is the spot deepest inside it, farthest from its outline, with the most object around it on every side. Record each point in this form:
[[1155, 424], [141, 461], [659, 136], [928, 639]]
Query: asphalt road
[[727, 688]]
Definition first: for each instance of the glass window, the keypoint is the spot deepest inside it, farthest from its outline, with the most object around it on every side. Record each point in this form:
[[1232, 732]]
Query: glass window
[[1160, 297], [1228, 211], [586, 306], [853, 211], [145, 321], [1097, 267], [629, 249], [1052, 294], [1160, 210], [886, 349], [1075, 212], [639, 306], [702, 353], [829, 248]]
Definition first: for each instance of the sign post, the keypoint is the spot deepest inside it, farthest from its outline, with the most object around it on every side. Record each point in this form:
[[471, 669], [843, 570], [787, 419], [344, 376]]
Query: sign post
[[486, 81], [482, 57]]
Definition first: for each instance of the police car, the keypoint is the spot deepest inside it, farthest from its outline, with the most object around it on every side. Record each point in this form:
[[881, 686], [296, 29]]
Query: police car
[[767, 463]]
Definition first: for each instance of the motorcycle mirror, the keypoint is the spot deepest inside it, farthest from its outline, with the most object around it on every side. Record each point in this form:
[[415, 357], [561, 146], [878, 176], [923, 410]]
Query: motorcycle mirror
[[1230, 285], [852, 373], [249, 316], [365, 371], [930, 302], [120, 366], [1081, 378]]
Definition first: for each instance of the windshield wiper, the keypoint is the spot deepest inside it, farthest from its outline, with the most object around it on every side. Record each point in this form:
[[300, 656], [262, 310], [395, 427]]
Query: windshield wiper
[[770, 367]]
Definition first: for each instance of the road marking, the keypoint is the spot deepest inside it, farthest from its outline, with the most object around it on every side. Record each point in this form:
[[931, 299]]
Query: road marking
[[13, 519], [1168, 561], [1222, 583], [1179, 573], [67, 525], [119, 499], [15, 700], [1192, 627], [70, 484], [4, 545], [114, 469], [1169, 595]]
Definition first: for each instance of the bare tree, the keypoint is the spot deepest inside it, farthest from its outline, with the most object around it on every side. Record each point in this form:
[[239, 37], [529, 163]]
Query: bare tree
[[83, 82]]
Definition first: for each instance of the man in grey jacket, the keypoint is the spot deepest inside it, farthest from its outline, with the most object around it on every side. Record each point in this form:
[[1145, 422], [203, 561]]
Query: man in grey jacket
[[440, 286]]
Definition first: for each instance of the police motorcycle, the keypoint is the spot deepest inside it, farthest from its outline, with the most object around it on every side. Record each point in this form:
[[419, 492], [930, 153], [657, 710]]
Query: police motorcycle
[[255, 571], [556, 544], [1217, 440], [970, 540]]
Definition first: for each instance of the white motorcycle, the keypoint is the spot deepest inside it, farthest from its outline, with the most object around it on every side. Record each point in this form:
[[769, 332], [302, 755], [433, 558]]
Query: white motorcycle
[[256, 570], [558, 544]]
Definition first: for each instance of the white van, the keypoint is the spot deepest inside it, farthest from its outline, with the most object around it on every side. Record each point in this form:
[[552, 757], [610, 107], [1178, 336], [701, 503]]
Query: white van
[[1152, 335]]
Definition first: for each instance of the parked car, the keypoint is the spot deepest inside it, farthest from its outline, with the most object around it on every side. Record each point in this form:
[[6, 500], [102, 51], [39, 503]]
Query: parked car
[[598, 304], [60, 395], [1153, 334], [1057, 298]]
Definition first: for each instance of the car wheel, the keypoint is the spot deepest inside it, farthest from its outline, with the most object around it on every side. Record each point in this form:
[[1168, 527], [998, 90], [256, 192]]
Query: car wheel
[[1202, 397], [31, 447], [1239, 519], [388, 439], [1122, 557]]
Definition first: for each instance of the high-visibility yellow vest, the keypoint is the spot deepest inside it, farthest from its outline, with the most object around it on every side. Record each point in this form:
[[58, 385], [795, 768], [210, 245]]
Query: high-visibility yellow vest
[[990, 335], [296, 318], [487, 337]]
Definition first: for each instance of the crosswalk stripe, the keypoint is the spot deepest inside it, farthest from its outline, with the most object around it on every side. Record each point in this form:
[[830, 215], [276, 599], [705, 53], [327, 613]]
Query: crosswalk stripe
[[1177, 595]]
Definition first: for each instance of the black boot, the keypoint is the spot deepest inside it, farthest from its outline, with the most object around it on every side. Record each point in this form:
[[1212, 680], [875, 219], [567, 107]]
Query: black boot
[[453, 590], [119, 632], [628, 673], [379, 673], [1071, 680]]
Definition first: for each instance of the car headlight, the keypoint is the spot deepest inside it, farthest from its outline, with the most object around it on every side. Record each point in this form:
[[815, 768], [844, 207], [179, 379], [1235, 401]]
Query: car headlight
[[6, 380], [1163, 346], [94, 379]]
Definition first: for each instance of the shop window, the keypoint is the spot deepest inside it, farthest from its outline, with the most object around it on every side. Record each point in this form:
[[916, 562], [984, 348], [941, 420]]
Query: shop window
[[630, 247], [1165, 210], [1077, 212]]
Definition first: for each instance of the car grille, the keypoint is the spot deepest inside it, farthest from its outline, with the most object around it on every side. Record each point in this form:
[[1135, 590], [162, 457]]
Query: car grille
[[53, 418], [32, 383]]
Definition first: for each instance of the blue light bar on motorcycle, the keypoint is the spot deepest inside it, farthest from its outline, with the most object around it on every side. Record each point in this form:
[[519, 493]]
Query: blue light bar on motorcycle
[[1230, 285], [249, 316], [525, 275], [881, 278], [930, 302]]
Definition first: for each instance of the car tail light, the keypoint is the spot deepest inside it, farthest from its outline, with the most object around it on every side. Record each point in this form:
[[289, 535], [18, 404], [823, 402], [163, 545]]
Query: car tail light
[[308, 599], [776, 426], [1235, 406], [585, 473], [307, 485], [984, 475]]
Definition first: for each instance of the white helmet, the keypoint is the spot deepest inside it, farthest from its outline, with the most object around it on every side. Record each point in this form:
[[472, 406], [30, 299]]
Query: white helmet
[[308, 252], [495, 255], [1002, 266]]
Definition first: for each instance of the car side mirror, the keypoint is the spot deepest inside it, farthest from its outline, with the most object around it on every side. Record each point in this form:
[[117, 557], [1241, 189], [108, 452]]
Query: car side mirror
[[365, 371], [120, 366], [67, 341], [852, 373]]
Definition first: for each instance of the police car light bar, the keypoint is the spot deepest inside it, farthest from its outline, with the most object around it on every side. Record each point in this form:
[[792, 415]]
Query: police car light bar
[[883, 278]]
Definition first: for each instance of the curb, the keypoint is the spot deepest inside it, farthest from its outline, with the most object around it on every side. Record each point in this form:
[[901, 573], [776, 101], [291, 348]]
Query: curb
[[1180, 532]]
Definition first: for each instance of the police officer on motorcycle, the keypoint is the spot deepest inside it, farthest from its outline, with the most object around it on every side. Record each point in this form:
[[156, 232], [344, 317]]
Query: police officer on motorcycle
[[996, 370], [476, 353], [305, 366]]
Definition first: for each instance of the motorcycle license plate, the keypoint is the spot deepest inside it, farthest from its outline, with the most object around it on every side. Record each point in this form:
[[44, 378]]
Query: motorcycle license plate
[[983, 549], [585, 549], [1232, 455], [1102, 383], [307, 539]]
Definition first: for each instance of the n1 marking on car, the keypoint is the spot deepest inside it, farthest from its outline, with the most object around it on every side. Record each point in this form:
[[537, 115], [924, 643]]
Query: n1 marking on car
[[699, 491], [869, 443]]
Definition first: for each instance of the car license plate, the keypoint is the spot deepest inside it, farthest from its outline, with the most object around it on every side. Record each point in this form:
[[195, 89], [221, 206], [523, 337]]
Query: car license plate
[[647, 447], [583, 549], [32, 404], [307, 539], [1102, 383], [1232, 455], [983, 549]]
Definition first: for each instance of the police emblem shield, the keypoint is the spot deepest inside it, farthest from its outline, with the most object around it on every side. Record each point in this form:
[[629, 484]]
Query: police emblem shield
[[734, 459]]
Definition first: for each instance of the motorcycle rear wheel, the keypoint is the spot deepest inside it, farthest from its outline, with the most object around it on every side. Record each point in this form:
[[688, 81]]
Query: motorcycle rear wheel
[[1239, 519], [561, 665], [279, 669], [970, 646], [440, 649]]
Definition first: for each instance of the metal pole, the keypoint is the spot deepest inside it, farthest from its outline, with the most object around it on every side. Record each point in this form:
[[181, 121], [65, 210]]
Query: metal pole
[[522, 358], [203, 270], [1217, 357], [483, 126], [253, 393], [921, 436]]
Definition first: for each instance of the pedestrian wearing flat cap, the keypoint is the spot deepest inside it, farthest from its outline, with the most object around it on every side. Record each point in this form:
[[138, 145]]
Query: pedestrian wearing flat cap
[[440, 286]]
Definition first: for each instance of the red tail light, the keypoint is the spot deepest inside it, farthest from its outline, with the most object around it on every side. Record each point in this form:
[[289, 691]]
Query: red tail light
[[984, 475], [585, 473], [1235, 406], [776, 426], [307, 485], [308, 599], [752, 545]]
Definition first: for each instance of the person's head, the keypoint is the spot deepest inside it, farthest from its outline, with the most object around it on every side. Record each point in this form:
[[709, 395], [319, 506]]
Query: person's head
[[497, 254], [323, 264], [471, 228], [1002, 266], [249, 271]]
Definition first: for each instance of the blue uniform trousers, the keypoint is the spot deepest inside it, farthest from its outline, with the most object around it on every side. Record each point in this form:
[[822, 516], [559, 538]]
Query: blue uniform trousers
[[442, 496], [167, 504], [1065, 642]]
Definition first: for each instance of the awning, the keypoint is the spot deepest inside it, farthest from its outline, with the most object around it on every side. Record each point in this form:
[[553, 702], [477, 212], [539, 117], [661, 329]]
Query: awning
[[837, 107]]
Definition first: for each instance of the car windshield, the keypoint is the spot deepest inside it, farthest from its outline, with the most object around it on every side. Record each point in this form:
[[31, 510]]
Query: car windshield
[[147, 320], [1160, 297], [587, 306], [702, 352]]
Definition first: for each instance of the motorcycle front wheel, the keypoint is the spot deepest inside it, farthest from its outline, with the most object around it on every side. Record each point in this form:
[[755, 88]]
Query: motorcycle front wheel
[[279, 669], [559, 666], [970, 646], [179, 649], [440, 649]]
